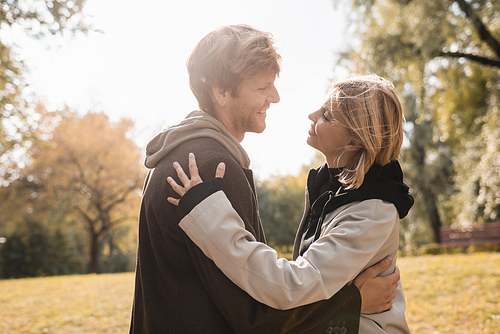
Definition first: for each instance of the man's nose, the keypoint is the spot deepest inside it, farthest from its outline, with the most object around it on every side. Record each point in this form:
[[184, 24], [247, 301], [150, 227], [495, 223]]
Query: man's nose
[[274, 96]]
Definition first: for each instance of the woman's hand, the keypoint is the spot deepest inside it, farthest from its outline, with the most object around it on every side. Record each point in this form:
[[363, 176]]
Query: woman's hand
[[189, 183]]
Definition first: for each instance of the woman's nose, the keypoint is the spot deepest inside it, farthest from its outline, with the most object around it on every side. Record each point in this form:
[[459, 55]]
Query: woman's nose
[[314, 116]]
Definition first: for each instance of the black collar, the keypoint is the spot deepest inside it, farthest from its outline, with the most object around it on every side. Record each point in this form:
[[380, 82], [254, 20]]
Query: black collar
[[326, 194]]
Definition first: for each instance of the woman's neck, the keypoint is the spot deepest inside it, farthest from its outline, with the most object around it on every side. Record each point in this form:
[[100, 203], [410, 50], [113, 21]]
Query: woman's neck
[[339, 160], [336, 163]]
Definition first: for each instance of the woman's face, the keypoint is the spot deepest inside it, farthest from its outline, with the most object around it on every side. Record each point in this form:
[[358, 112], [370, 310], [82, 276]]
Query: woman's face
[[329, 136]]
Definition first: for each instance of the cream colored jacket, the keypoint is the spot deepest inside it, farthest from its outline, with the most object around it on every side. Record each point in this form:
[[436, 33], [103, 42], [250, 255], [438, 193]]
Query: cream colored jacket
[[353, 238]]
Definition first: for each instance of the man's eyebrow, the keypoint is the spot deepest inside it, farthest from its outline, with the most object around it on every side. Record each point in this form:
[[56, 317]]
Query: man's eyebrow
[[262, 84], [269, 82]]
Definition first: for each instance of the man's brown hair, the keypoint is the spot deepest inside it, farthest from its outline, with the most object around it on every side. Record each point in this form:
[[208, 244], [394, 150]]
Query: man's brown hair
[[227, 56]]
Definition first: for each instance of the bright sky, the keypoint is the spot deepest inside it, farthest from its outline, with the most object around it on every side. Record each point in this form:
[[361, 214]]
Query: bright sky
[[136, 68]]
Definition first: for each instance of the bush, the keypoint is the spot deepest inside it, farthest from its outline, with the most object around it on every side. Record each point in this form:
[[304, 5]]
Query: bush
[[430, 249], [33, 251], [437, 249], [484, 248], [454, 250]]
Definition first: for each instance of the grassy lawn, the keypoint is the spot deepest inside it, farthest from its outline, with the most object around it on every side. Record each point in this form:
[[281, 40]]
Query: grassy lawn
[[67, 304], [452, 293], [445, 294]]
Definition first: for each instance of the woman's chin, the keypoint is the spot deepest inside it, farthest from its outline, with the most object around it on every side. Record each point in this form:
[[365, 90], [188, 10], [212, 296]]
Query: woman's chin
[[311, 141]]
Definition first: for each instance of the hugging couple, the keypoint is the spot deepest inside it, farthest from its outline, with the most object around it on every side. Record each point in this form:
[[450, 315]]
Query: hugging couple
[[203, 265]]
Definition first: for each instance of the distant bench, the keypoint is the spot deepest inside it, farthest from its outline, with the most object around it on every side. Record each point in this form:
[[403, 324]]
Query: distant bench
[[479, 234]]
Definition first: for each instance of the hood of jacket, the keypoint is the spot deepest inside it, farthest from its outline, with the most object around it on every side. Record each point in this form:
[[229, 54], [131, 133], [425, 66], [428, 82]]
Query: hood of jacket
[[197, 124], [381, 182], [326, 194]]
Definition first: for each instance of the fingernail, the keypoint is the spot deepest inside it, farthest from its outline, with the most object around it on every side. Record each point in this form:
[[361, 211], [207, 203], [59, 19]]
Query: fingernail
[[388, 260]]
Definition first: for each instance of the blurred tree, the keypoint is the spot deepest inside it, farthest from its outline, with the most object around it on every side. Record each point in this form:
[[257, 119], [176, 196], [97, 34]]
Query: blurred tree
[[89, 169], [33, 250], [42, 17], [444, 58], [281, 205], [41, 235], [37, 18]]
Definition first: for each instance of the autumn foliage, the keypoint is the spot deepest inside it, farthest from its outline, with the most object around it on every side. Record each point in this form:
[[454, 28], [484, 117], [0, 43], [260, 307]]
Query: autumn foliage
[[84, 179]]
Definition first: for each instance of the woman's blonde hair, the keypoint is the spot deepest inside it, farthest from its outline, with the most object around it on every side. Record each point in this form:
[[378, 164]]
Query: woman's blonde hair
[[227, 56], [370, 109]]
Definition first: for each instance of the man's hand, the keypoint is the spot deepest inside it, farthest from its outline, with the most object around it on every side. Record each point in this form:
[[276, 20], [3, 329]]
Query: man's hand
[[377, 293]]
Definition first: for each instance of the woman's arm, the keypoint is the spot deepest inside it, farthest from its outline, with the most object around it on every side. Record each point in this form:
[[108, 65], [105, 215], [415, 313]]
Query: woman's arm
[[330, 263], [326, 267]]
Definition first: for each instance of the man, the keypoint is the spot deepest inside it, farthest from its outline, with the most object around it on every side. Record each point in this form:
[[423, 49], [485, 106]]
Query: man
[[178, 289]]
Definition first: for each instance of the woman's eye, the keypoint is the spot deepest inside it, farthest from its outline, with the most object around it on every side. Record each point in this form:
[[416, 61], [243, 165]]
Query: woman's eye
[[325, 116]]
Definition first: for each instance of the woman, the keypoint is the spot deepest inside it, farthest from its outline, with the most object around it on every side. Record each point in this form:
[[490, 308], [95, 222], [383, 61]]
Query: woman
[[353, 206]]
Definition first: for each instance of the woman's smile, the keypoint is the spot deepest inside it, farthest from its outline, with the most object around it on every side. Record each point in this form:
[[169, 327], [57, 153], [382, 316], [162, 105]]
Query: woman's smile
[[312, 132]]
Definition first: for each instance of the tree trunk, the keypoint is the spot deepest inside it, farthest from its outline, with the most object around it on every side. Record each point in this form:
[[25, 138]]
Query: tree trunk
[[428, 197], [421, 133], [94, 253], [112, 255], [432, 212]]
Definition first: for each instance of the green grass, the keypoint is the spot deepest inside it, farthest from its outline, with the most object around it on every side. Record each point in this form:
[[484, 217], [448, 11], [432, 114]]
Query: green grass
[[445, 294], [67, 304], [452, 293]]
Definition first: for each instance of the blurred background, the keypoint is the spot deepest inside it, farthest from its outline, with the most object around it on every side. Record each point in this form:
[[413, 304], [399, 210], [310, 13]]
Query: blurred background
[[131, 63], [84, 84]]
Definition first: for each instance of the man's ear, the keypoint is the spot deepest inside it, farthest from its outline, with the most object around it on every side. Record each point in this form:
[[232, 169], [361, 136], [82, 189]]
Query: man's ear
[[352, 146], [220, 96]]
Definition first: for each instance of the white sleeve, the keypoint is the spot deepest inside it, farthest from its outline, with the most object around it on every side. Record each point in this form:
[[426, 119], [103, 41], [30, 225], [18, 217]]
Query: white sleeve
[[333, 260]]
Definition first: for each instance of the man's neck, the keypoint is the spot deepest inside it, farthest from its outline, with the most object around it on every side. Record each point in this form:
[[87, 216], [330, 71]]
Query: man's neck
[[227, 124]]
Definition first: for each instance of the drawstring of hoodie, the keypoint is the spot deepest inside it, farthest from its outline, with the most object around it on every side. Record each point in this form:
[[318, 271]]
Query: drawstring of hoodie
[[315, 219], [322, 215]]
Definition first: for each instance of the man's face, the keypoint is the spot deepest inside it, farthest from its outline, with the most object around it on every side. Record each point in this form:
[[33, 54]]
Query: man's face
[[247, 112]]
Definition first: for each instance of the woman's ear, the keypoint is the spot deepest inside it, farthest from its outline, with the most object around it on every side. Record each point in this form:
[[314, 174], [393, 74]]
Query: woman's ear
[[220, 96]]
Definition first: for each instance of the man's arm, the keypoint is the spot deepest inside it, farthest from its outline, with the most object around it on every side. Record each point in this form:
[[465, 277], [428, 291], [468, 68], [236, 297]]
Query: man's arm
[[377, 293]]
